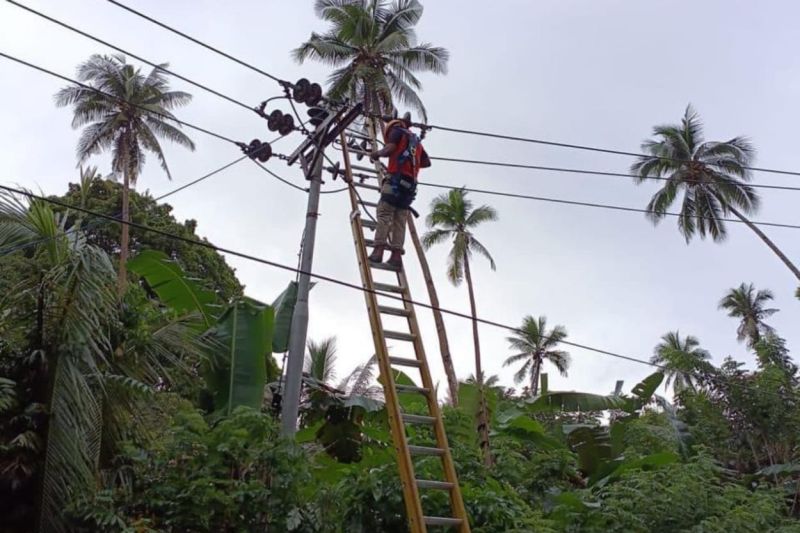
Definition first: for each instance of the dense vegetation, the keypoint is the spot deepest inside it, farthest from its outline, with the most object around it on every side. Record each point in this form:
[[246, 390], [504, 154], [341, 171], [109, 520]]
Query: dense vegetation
[[140, 395], [169, 437]]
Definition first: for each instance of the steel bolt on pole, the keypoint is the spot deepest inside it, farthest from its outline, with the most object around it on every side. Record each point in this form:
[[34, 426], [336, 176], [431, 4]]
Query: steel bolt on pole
[[299, 328]]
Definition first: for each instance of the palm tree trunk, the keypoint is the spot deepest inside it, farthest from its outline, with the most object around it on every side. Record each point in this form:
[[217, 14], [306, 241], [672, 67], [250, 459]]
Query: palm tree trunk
[[444, 346], [124, 241], [483, 414], [768, 242], [537, 368]]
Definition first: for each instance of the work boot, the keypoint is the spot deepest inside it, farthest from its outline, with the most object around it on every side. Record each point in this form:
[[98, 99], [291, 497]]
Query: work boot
[[377, 255], [396, 259]]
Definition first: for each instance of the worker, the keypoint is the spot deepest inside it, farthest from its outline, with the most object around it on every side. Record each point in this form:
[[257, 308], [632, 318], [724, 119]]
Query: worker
[[399, 188]]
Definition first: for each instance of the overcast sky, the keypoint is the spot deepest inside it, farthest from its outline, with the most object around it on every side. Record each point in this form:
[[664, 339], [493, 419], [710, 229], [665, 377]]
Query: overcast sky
[[596, 73]]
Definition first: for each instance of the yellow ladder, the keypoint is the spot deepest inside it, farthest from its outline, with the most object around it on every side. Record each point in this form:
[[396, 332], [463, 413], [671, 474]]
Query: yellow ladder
[[418, 521]]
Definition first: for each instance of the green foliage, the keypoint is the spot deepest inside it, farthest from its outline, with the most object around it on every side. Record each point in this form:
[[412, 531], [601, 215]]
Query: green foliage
[[173, 287], [284, 310], [237, 372], [199, 263], [575, 402], [676, 497], [374, 47], [235, 476]]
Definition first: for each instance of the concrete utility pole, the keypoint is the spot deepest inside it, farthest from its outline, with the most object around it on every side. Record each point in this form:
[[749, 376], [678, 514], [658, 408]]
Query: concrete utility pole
[[299, 328], [329, 123]]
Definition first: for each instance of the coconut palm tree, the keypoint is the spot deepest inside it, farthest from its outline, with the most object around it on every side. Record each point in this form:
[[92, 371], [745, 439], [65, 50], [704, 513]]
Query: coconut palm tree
[[453, 218], [129, 119], [375, 51], [748, 304], [535, 345], [488, 382], [320, 362], [681, 358], [61, 330], [711, 175]]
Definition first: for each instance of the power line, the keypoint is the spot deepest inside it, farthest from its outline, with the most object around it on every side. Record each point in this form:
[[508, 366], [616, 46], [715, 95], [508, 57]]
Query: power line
[[596, 172], [334, 281], [143, 60], [595, 204], [585, 147], [201, 178], [198, 42], [98, 91], [277, 177], [603, 206], [321, 277]]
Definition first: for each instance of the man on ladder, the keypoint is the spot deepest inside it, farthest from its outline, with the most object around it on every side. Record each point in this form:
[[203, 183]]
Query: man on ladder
[[399, 188]]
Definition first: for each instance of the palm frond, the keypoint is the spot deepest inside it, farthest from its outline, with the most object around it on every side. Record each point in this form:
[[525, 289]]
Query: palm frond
[[434, 237], [406, 94], [476, 246], [422, 58], [320, 360]]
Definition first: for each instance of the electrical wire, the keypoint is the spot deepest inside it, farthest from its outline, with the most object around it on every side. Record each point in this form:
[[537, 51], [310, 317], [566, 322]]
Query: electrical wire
[[604, 206], [335, 281], [577, 146], [585, 171], [201, 178], [198, 42], [600, 205], [143, 60], [596, 172], [280, 266], [98, 91], [282, 180]]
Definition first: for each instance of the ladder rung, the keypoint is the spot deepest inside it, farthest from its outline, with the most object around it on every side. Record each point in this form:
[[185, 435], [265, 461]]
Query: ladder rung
[[384, 266], [411, 388], [351, 133], [418, 419], [442, 521], [366, 186], [370, 243], [396, 311], [370, 224], [364, 169], [399, 336], [402, 361], [431, 484], [424, 450], [384, 287]]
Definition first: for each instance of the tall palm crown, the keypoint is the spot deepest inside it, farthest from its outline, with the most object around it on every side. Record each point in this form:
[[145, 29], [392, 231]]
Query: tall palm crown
[[681, 359], [320, 362], [453, 218], [535, 346], [374, 48], [121, 121], [748, 304], [711, 176], [128, 117]]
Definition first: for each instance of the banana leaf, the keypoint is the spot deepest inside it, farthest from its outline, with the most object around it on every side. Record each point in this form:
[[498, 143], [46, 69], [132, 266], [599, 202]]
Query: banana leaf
[[237, 375], [175, 290], [284, 309], [575, 402]]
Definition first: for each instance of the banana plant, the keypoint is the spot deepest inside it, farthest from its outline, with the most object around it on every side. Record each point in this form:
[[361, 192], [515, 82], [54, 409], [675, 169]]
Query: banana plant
[[242, 334]]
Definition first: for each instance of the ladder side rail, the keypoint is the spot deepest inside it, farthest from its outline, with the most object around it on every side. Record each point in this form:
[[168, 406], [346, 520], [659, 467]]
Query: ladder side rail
[[456, 501], [412, 500]]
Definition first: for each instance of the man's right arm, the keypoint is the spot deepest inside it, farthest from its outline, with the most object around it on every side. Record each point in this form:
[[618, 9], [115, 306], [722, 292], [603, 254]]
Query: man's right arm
[[393, 139]]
